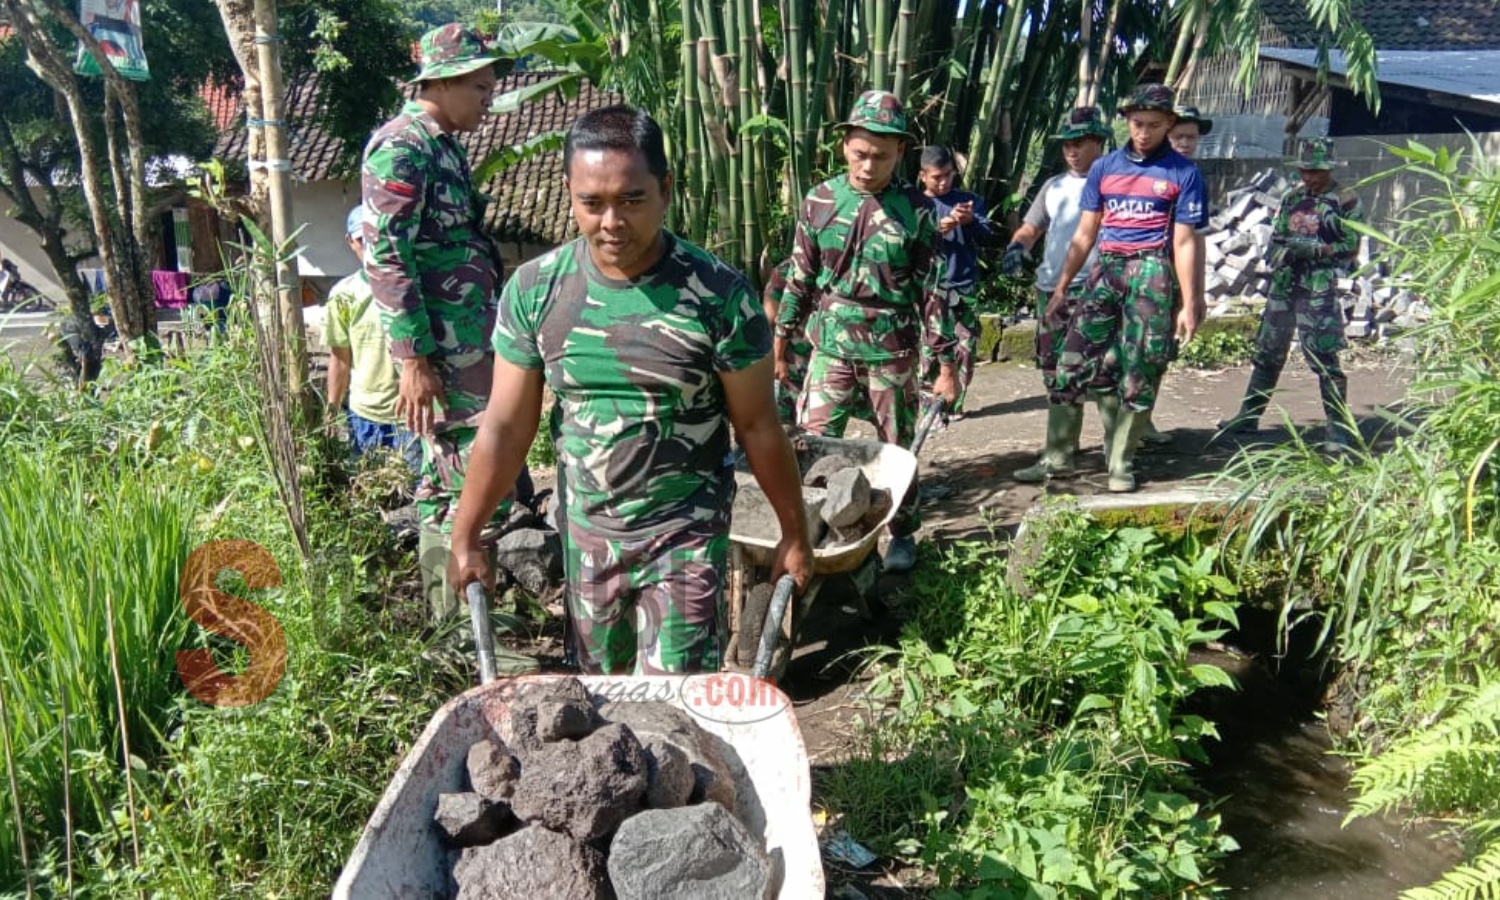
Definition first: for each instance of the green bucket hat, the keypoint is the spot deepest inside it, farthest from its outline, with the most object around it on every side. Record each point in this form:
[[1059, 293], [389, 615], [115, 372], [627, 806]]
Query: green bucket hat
[[1085, 121], [1191, 114], [878, 112], [451, 51], [1157, 97], [1316, 153]]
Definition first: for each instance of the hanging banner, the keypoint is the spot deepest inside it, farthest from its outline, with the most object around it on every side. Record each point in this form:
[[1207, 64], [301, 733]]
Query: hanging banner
[[116, 25]]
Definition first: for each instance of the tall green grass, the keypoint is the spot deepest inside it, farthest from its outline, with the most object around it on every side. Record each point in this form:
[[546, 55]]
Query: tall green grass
[[71, 547]]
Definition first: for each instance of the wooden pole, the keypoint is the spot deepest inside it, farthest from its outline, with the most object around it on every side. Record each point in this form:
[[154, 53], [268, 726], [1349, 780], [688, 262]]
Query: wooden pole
[[278, 165]]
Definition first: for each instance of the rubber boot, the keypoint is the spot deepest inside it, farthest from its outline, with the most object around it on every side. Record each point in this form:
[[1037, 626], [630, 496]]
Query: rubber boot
[[1122, 433], [1064, 425], [1150, 437], [1339, 432], [443, 601], [1253, 406]]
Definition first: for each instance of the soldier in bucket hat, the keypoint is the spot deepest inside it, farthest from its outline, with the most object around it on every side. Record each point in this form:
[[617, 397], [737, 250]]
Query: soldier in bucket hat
[[1310, 243], [435, 275], [1054, 214], [1141, 204], [865, 283], [1191, 125]]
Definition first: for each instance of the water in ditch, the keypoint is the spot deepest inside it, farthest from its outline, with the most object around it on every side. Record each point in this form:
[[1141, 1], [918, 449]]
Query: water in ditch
[[1284, 798]]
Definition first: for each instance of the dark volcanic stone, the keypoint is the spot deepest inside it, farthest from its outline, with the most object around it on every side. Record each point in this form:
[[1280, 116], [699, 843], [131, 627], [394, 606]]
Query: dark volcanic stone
[[696, 853], [469, 820], [532, 556], [585, 789], [533, 864], [880, 504], [493, 770], [525, 737], [848, 498], [566, 721], [822, 470], [669, 775], [712, 779]]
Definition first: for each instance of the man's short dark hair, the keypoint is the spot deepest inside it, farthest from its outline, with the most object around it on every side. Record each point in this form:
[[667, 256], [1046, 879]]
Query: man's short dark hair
[[937, 157], [618, 127]]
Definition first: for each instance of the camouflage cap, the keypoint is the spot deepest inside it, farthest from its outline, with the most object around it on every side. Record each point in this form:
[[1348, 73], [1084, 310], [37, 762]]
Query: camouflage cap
[[1157, 97], [1316, 154], [878, 112], [451, 51], [1191, 114], [1085, 121]]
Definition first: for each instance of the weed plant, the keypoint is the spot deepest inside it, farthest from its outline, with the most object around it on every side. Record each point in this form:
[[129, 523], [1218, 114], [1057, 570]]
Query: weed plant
[[1030, 743], [1396, 554]]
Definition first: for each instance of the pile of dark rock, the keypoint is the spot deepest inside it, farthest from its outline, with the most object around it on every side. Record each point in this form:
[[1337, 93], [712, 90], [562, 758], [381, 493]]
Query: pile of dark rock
[[848, 508], [629, 800]]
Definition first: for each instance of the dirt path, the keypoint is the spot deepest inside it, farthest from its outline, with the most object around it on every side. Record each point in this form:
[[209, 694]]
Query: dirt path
[[969, 494]]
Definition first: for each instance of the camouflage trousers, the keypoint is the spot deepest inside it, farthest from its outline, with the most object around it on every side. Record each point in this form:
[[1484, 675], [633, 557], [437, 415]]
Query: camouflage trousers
[[799, 351], [838, 388], [445, 459], [965, 352], [1303, 299], [1049, 339], [1120, 336], [652, 606]]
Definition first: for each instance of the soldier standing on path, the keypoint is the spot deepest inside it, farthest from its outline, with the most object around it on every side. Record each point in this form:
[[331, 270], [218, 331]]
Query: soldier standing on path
[[1055, 213], [866, 284], [653, 349], [964, 229], [434, 274], [1143, 204], [1309, 245]]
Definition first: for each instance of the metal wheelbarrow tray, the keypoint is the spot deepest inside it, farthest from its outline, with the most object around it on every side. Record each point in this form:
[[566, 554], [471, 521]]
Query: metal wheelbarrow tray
[[399, 854]]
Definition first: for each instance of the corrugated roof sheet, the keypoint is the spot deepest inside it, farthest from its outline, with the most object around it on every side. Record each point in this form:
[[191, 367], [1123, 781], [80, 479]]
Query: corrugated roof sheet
[[530, 205], [1402, 24], [1460, 73]]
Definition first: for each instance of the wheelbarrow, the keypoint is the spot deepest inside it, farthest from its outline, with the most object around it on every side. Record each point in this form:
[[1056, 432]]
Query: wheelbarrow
[[399, 854], [754, 533]]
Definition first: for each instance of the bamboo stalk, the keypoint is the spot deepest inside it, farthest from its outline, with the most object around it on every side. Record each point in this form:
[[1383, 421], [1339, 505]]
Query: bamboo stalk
[[15, 791], [114, 666], [1185, 28], [903, 48], [729, 44], [815, 110], [880, 64], [1106, 48], [691, 119], [749, 183], [798, 97], [1085, 47], [981, 140]]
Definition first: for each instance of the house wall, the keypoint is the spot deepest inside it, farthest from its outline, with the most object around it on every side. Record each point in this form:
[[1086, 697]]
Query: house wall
[[1384, 200], [21, 244]]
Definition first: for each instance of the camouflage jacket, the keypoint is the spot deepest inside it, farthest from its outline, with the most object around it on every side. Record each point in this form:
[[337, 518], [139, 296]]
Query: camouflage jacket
[[866, 275], [1306, 222], [432, 270], [640, 422]]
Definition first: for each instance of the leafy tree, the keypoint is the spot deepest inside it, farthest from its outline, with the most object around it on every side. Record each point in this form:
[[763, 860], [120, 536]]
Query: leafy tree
[[425, 14]]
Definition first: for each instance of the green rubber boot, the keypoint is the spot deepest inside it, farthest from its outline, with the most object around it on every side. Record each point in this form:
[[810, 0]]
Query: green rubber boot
[[1064, 424], [1122, 429]]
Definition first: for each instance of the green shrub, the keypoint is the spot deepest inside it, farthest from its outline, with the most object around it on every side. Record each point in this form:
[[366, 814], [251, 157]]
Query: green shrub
[[1216, 350]]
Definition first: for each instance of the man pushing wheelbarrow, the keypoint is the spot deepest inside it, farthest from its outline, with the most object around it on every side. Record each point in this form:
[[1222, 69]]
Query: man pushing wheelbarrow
[[653, 348]]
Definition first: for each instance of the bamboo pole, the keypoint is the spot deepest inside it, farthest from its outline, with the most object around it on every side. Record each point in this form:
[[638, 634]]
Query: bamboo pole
[[1106, 48], [798, 97], [879, 41], [749, 183], [729, 48], [278, 165], [692, 126], [1085, 47], [1185, 28], [827, 41], [903, 48]]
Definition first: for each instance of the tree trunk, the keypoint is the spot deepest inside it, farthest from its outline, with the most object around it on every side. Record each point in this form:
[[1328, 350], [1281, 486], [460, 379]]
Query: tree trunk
[[239, 25]]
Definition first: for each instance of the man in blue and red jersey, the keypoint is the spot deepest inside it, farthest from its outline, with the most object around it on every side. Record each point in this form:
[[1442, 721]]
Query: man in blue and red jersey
[[1142, 204]]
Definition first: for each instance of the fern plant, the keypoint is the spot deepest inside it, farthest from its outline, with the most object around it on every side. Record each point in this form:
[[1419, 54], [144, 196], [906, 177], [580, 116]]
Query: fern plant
[[1422, 770]]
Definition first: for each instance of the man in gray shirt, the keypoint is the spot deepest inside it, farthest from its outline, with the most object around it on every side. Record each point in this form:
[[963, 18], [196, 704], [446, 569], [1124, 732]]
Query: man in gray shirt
[[1055, 213]]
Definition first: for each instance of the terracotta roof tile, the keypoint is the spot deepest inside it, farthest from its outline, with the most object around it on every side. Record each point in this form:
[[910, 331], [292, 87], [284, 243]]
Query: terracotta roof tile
[[1403, 24], [529, 204]]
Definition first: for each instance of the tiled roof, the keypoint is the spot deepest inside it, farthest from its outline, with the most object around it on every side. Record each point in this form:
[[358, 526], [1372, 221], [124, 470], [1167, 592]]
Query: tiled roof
[[530, 205], [1402, 24]]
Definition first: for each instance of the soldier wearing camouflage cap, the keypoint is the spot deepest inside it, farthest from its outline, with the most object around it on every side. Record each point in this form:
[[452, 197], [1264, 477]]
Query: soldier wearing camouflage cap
[[653, 348], [865, 283], [434, 274], [1055, 214], [1142, 204], [1310, 243]]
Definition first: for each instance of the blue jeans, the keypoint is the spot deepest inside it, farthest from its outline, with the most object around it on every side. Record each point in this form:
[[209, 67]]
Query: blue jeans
[[366, 435]]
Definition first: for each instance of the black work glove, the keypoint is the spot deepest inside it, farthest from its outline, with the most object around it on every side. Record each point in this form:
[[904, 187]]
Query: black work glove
[[1014, 261]]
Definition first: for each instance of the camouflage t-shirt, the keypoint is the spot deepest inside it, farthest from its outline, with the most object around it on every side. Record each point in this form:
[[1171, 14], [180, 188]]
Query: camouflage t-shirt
[[432, 270], [866, 275], [1307, 222], [640, 423]]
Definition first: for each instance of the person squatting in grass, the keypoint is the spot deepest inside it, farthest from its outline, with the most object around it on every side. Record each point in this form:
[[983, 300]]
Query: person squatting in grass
[[1054, 214], [1310, 243], [964, 228], [359, 363], [1143, 204], [865, 284], [434, 274], [653, 348]]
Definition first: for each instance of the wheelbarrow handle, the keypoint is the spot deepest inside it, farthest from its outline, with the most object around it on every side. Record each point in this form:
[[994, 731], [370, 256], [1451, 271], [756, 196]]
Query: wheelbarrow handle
[[484, 638], [934, 410], [770, 630]]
